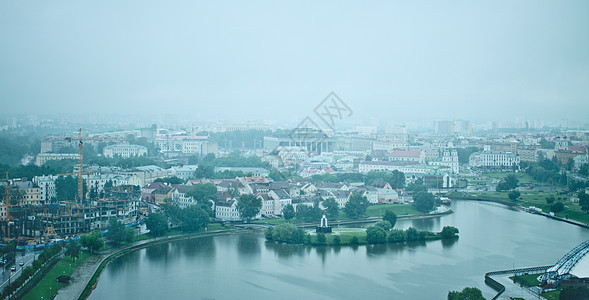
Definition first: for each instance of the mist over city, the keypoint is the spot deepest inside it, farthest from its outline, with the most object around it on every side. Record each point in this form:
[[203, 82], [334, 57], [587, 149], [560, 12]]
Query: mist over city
[[296, 150]]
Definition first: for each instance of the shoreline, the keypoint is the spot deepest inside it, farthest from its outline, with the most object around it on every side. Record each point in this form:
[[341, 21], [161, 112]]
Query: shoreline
[[86, 276], [512, 205]]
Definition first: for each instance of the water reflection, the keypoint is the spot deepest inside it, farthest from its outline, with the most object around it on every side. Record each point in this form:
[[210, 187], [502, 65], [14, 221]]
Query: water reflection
[[322, 252], [158, 253], [116, 266], [198, 247], [286, 250], [448, 243], [377, 249], [248, 246], [425, 224]]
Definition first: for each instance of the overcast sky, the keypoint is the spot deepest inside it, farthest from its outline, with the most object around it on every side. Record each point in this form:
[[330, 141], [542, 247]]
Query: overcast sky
[[262, 60]]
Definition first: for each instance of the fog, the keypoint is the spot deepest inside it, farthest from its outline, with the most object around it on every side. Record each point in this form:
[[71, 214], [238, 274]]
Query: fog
[[262, 60]]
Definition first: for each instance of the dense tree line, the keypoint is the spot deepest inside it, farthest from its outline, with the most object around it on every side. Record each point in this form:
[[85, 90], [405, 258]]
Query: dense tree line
[[468, 293]]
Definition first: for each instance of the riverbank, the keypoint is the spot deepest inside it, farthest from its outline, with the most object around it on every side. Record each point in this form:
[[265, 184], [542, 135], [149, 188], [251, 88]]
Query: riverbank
[[85, 277], [517, 206]]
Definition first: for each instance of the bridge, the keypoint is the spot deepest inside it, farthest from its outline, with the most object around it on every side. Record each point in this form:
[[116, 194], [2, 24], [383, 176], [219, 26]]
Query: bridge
[[566, 264]]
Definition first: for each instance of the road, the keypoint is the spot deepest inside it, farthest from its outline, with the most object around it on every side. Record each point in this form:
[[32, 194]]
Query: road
[[27, 257]]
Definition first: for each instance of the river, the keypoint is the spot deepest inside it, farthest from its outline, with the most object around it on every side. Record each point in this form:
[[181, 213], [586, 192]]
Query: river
[[242, 266]]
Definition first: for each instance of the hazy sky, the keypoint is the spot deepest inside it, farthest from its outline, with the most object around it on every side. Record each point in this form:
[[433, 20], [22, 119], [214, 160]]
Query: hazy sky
[[262, 60]]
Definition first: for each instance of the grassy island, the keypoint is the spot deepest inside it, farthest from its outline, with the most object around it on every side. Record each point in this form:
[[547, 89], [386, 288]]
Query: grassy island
[[380, 233]]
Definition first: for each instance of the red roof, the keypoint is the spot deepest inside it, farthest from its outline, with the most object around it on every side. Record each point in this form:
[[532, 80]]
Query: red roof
[[406, 153]]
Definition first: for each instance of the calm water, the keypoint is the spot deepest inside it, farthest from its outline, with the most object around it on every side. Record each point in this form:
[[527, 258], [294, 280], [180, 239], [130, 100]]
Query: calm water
[[492, 237]]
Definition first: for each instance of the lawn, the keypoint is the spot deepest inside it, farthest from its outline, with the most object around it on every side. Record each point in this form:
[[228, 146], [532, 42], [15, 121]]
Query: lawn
[[527, 280], [399, 209], [554, 295], [48, 286]]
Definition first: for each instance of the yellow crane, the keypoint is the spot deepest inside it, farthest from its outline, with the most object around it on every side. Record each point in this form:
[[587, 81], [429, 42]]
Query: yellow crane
[[80, 172]]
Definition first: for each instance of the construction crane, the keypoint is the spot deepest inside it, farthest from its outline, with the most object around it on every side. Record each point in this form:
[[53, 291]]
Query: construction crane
[[81, 140]]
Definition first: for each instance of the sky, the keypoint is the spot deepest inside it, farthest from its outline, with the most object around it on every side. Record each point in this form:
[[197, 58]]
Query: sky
[[265, 60]]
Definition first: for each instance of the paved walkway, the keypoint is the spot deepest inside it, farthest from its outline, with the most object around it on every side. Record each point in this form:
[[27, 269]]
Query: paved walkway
[[88, 267]]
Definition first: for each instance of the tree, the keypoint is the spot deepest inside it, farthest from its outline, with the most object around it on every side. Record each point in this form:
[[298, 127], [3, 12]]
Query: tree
[[356, 206], [194, 218], [288, 212], [584, 169], [375, 235], [469, 293], [397, 236], [412, 234], [286, 233], [73, 249], [332, 208], [203, 193], [513, 195], [583, 200], [449, 232], [385, 225], [337, 240], [390, 216], [92, 241], [248, 206], [510, 182], [157, 224], [550, 199], [118, 233], [321, 239], [423, 201], [557, 207]]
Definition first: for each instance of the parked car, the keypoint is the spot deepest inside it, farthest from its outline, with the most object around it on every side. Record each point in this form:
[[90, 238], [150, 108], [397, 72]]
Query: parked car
[[21, 263], [13, 268]]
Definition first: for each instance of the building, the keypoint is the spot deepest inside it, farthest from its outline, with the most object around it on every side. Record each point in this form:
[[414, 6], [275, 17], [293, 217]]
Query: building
[[493, 159], [183, 172], [42, 158], [407, 156], [124, 150], [528, 153], [187, 145]]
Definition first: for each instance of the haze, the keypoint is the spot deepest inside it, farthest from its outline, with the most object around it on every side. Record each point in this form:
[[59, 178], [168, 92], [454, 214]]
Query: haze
[[262, 60]]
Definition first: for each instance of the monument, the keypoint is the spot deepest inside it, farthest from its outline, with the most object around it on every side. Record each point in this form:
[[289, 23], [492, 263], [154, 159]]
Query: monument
[[323, 228]]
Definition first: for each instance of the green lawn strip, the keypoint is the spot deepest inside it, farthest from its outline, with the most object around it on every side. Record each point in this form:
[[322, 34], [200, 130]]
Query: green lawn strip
[[398, 209], [553, 295], [526, 280], [48, 286]]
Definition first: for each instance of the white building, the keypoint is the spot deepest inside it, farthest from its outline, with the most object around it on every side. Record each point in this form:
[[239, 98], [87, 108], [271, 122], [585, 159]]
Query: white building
[[124, 150], [184, 172], [42, 158], [493, 159]]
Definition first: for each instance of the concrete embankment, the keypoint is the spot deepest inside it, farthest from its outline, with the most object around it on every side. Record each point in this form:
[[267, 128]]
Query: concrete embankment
[[500, 282], [91, 266]]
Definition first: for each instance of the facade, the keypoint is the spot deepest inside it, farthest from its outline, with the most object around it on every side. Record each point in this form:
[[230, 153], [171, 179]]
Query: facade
[[528, 153], [124, 150], [42, 158], [493, 159], [184, 172], [189, 145]]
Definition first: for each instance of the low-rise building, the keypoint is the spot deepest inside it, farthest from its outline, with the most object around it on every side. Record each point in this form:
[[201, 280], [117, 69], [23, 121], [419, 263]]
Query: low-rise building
[[124, 150], [42, 158]]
